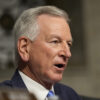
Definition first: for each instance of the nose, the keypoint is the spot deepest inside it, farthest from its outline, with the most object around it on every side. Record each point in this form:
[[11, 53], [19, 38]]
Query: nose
[[65, 52]]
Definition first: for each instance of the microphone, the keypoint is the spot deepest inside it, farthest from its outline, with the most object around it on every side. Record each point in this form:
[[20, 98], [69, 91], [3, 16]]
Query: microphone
[[55, 97], [15, 94]]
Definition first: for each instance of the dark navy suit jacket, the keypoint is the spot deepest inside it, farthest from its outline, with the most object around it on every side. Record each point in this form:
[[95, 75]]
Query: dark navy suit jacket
[[64, 92]]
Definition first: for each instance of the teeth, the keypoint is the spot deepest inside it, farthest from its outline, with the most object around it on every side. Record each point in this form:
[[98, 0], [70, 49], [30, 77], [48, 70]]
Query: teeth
[[59, 65]]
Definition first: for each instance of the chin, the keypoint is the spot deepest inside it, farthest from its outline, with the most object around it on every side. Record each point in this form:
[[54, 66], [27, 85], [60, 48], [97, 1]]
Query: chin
[[56, 79]]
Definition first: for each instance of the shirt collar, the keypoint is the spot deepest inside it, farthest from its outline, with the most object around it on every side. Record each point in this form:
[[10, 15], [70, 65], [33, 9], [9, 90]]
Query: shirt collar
[[35, 88]]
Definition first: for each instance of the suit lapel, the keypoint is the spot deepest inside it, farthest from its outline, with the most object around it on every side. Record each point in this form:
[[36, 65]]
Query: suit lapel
[[57, 89], [17, 81]]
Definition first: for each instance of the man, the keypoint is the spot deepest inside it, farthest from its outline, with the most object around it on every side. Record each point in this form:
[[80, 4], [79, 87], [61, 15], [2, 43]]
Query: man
[[43, 41]]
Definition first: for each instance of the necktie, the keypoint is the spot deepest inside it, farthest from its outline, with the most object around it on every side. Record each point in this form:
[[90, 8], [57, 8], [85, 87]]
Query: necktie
[[50, 94]]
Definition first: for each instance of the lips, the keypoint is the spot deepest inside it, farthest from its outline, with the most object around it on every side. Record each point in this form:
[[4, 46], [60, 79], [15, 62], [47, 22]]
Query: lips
[[59, 65]]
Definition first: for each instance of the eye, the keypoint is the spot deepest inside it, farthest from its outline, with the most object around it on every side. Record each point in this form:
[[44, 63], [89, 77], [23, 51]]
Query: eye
[[55, 41], [69, 44]]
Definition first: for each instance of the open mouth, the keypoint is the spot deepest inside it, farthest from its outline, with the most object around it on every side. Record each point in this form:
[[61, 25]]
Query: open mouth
[[59, 65]]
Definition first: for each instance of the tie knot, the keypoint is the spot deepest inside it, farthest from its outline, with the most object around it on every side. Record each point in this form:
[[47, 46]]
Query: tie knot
[[50, 94]]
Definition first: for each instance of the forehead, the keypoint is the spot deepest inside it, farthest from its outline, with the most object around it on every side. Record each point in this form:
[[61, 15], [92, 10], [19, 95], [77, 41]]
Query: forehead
[[52, 25], [50, 18]]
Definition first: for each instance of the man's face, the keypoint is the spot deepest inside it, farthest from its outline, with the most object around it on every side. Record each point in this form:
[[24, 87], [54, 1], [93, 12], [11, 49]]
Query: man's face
[[50, 52]]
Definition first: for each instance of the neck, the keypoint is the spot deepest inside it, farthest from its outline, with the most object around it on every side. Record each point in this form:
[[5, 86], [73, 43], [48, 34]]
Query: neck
[[35, 77]]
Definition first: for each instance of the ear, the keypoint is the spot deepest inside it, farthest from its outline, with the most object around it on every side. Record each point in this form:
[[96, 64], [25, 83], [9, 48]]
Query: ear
[[23, 48]]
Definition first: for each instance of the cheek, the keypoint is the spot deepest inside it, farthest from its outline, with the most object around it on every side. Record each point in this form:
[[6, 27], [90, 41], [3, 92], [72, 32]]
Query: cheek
[[43, 55], [40, 56], [50, 51], [49, 54], [46, 56]]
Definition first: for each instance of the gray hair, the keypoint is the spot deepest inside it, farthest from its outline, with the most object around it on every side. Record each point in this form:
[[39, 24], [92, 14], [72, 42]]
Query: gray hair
[[27, 25]]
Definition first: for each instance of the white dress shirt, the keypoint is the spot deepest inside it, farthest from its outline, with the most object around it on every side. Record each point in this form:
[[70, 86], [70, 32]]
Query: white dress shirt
[[35, 88]]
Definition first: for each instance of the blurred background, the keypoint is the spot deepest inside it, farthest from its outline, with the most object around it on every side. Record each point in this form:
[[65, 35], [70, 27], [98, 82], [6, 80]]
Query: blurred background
[[83, 71]]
